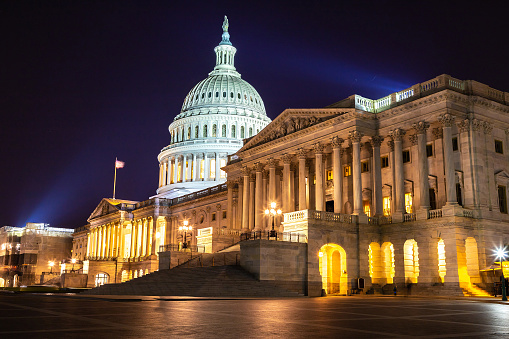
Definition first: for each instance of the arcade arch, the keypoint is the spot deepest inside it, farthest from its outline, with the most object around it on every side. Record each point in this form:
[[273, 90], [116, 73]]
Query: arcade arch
[[411, 259], [332, 265]]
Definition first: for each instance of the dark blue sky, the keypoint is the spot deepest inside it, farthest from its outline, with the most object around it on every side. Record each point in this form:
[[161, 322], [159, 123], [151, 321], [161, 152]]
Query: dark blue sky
[[83, 82]]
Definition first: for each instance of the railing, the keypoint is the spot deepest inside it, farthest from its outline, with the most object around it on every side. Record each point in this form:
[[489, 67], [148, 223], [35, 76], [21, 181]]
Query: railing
[[468, 213], [319, 215], [409, 217], [284, 236], [433, 214], [404, 94], [179, 248], [212, 259]]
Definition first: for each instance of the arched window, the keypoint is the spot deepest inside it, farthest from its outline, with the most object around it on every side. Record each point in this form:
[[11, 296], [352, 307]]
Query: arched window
[[205, 131], [210, 94], [196, 131], [223, 131], [124, 275], [250, 131], [242, 132], [233, 132], [231, 95], [189, 133], [101, 279], [214, 130]]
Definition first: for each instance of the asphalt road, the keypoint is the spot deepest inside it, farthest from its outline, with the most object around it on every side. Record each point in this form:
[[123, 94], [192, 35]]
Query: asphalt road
[[47, 316]]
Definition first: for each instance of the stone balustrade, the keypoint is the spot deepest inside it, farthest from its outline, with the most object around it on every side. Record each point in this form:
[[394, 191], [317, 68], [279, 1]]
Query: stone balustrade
[[433, 214]]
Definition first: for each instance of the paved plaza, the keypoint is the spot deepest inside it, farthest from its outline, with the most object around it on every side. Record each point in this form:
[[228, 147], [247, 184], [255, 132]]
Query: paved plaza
[[58, 316]]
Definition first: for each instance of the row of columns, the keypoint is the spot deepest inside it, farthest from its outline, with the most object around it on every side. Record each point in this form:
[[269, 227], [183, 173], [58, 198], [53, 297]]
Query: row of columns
[[170, 167], [251, 186]]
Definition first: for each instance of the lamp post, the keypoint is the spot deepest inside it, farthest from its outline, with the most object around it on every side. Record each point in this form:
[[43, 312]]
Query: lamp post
[[273, 212], [51, 264], [73, 260], [501, 253], [184, 229]]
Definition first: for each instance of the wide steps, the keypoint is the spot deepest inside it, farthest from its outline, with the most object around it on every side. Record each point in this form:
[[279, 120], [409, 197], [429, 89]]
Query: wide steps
[[474, 291], [217, 281]]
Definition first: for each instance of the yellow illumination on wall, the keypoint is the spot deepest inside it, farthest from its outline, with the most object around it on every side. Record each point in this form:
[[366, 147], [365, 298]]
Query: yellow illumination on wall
[[367, 208], [388, 261], [441, 260], [387, 206], [411, 259], [408, 202], [330, 176], [178, 173], [213, 168], [202, 169], [347, 171], [222, 164]]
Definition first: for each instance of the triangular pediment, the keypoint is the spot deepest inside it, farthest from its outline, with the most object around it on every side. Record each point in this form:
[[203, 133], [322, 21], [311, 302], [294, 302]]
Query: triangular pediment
[[502, 176], [107, 206], [289, 122]]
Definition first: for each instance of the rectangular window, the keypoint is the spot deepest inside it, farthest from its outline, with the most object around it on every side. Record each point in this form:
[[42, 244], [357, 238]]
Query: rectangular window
[[212, 168], [347, 170], [202, 169], [329, 175], [224, 214], [364, 166], [458, 194], [499, 147], [429, 150], [455, 144], [432, 199], [213, 216], [408, 202], [223, 173], [387, 206], [367, 208], [406, 156], [384, 161], [502, 199]]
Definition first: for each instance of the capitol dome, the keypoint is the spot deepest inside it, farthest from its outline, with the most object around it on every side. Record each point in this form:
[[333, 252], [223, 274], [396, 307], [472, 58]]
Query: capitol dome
[[217, 114]]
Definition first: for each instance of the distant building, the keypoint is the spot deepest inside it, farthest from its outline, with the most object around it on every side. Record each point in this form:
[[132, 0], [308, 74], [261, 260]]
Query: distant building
[[26, 252]]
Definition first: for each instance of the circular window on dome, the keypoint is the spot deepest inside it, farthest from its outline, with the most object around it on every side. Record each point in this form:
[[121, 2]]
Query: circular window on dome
[[210, 94]]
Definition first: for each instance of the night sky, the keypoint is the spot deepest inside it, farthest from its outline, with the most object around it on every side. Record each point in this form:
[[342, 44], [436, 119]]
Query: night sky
[[83, 82]]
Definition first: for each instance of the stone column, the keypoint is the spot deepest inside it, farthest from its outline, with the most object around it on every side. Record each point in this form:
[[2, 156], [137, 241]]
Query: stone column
[[292, 188], [161, 168], [121, 240], [252, 198], [207, 167], [88, 243], [447, 121], [301, 154], [376, 141], [229, 211], [399, 176], [355, 138], [245, 198], [337, 175], [264, 203], [174, 167], [196, 173], [95, 253], [258, 208], [110, 241], [490, 171], [240, 205], [287, 160], [421, 127], [218, 167], [272, 180], [133, 239], [319, 203], [153, 237]]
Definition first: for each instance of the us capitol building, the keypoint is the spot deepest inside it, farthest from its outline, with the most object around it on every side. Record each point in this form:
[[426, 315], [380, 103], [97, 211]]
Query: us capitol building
[[405, 190]]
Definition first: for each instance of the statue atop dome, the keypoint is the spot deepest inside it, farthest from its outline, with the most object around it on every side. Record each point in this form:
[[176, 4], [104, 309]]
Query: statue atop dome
[[225, 24]]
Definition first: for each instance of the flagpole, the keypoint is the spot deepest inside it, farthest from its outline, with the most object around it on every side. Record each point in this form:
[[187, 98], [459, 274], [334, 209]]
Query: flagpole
[[115, 179]]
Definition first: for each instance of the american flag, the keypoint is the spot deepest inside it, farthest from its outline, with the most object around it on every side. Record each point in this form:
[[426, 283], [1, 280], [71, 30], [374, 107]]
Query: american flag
[[119, 164]]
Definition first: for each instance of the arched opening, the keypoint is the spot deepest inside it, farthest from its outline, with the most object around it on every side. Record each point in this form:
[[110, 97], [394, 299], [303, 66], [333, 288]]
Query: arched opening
[[135, 274], [2, 282], [388, 262], [101, 279], [411, 258], [332, 265], [375, 263], [441, 260], [124, 276], [472, 259], [141, 273]]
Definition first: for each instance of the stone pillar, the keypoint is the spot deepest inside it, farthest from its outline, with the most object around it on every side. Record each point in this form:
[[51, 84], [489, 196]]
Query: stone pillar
[[287, 160], [292, 188], [121, 240], [264, 199], [245, 198], [258, 208], [133, 239], [206, 167], [447, 121], [465, 147], [161, 169], [399, 176], [109, 241], [252, 198], [88, 244], [337, 175], [229, 211], [153, 237], [240, 209], [175, 169], [195, 168], [301, 154], [421, 127], [376, 141], [96, 243], [272, 180], [490, 171], [319, 201], [355, 138], [218, 167]]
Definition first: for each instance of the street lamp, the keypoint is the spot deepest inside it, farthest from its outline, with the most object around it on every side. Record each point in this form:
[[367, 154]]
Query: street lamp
[[51, 263], [273, 212], [184, 229], [502, 253], [73, 260]]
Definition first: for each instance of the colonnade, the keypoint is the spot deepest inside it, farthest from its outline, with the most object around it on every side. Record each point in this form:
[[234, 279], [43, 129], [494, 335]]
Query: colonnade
[[192, 167], [280, 183]]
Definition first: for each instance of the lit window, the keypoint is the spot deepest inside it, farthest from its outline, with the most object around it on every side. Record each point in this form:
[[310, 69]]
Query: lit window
[[178, 173], [364, 166], [387, 206], [384, 161], [213, 216], [502, 199], [347, 170], [408, 202], [499, 147], [455, 144], [367, 208], [329, 175], [406, 156], [224, 214], [214, 130], [202, 169], [429, 150], [213, 168], [101, 279], [189, 133]]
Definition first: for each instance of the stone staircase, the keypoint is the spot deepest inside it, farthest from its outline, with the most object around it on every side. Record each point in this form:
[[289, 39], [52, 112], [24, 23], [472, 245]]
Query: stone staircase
[[471, 290], [212, 281]]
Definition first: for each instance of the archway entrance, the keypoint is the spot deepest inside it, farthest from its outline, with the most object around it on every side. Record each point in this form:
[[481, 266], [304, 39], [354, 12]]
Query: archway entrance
[[101, 279], [411, 256], [332, 264]]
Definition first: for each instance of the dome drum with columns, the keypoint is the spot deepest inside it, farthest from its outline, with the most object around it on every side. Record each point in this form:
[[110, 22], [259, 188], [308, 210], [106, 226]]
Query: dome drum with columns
[[217, 114]]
